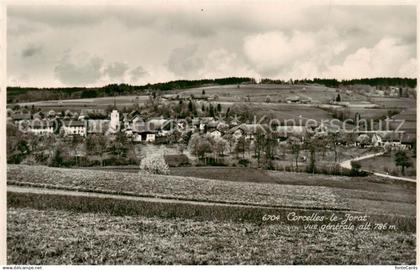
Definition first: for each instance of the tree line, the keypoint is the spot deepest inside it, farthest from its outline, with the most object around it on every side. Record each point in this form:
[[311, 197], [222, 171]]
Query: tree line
[[379, 81], [20, 94]]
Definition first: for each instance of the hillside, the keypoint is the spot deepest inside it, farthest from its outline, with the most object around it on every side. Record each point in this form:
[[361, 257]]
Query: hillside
[[373, 197]]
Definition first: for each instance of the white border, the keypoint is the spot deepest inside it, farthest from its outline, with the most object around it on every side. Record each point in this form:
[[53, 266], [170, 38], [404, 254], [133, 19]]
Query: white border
[[3, 83]]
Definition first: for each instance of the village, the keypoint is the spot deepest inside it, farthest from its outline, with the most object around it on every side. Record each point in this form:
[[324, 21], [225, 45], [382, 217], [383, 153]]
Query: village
[[210, 137]]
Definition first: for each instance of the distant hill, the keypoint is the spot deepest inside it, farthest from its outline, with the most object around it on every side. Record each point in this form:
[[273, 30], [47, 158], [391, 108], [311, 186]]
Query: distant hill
[[380, 81], [30, 94]]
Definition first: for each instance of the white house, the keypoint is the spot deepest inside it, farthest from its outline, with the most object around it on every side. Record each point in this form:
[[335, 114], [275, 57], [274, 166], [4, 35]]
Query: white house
[[142, 133], [39, 127], [216, 134], [376, 140], [144, 136], [74, 127]]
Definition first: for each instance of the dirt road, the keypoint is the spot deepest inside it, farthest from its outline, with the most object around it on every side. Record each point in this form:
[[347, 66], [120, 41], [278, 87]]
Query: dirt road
[[347, 165]]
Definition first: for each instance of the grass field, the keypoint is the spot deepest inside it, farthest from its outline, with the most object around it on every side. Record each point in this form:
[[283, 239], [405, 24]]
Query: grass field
[[258, 93], [54, 228], [386, 164], [389, 102], [256, 187], [175, 187], [65, 237], [91, 103]]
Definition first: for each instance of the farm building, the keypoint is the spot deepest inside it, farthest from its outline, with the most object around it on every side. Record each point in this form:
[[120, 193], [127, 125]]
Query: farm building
[[41, 127], [247, 130], [74, 127], [19, 117], [143, 134], [97, 126], [293, 99]]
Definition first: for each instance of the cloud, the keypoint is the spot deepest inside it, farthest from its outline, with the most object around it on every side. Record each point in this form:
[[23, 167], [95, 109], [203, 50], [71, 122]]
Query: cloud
[[274, 50], [206, 39], [31, 51], [137, 73], [184, 61], [79, 70], [388, 57], [116, 70]]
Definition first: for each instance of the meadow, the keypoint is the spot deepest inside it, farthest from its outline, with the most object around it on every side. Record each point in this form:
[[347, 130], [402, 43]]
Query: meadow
[[386, 164], [173, 187], [99, 238], [104, 217], [259, 188]]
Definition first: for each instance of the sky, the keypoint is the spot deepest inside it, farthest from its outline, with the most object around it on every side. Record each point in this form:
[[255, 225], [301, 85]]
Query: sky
[[58, 46]]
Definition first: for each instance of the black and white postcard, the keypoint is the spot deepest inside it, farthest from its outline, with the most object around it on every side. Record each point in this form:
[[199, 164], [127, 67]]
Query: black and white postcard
[[210, 133]]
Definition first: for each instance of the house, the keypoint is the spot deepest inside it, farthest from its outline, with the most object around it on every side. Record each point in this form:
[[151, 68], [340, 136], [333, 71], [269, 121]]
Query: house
[[380, 93], [144, 135], [283, 132], [75, 127], [215, 133], [247, 130], [156, 123], [52, 114], [142, 132], [394, 91], [38, 115], [21, 117], [408, 141], [293, 99], [97, 126], [376, 140], [41, 127], [131, 119], [167, 128]]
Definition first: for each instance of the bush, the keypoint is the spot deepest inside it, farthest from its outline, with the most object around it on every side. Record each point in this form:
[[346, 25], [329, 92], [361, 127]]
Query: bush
[[177, 160], [243, 162], [154, 164]]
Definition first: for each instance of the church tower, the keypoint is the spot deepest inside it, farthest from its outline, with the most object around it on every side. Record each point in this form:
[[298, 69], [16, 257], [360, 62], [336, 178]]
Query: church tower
[[114, 125]]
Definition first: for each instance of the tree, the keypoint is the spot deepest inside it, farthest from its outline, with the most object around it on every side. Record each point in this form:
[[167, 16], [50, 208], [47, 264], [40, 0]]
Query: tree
[[203, 92], [259, 143], [333, 138], [96, 144], [186, 136], [295, 147], [200, 145], [56, 159], [211, 111], [363, 140], [155, 164], [227, 112], [222, 127], [221, 146], [190, 106], [241, 146], [267, 99], [402, 160], [355, 167], [314, 144], [119, 145], [219, 107], [338, 98]]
